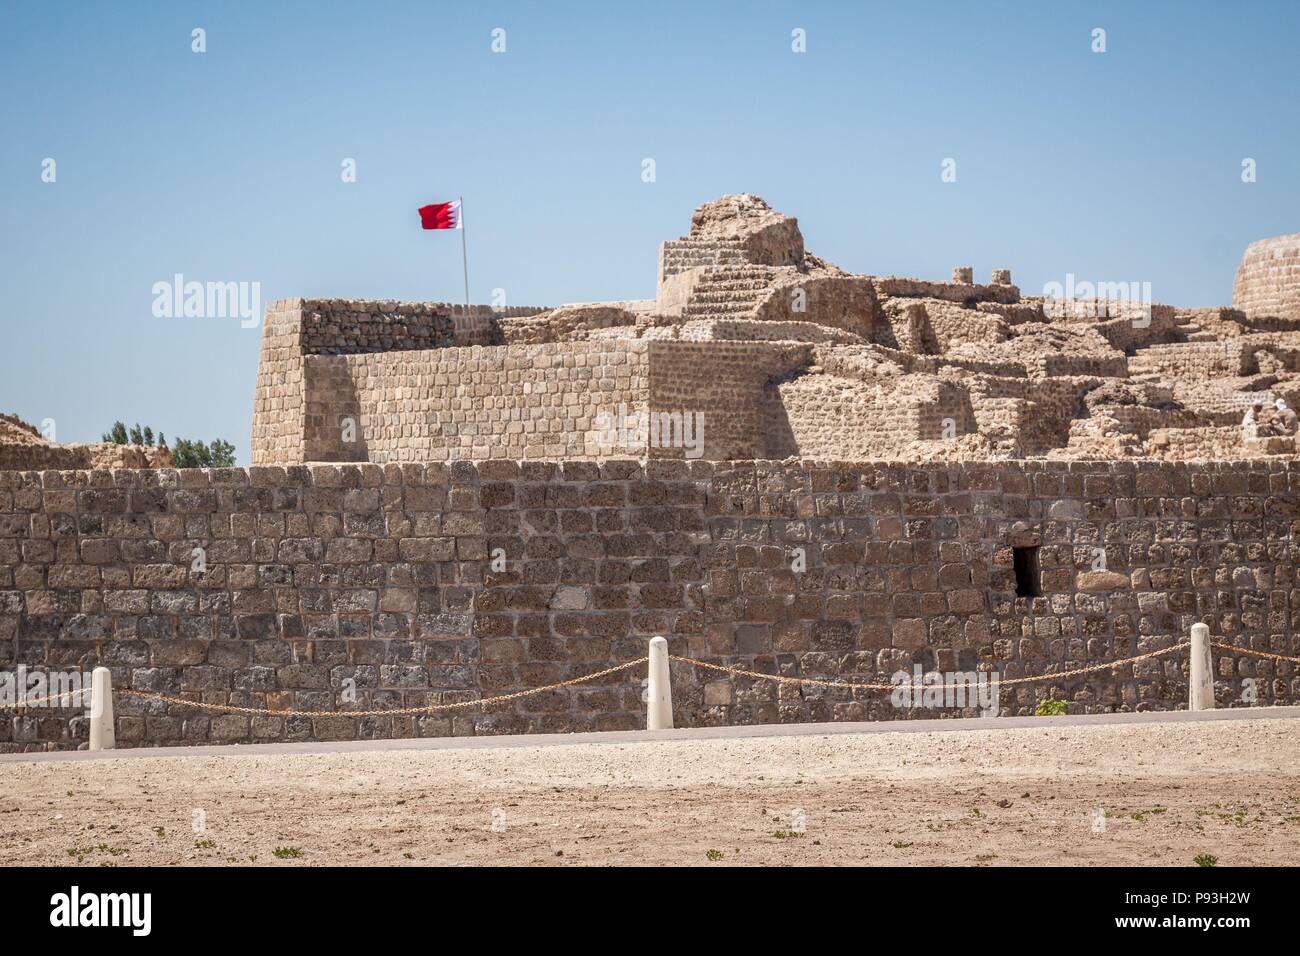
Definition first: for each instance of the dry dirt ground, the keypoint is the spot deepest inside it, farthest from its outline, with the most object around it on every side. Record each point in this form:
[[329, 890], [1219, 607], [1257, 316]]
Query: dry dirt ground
[[1169, 793]]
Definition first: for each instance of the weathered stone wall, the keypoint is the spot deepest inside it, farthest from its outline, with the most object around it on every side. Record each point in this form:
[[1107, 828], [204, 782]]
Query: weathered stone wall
[[838, 302], [23, 448], [1194, 360], [887, 286], [723, 383], [294, 329], [351, 326], [1219, 443], [320, 576], [538, 401], [279, 411], [1268, 278], [814, 416], [535, 401], [81, 455]]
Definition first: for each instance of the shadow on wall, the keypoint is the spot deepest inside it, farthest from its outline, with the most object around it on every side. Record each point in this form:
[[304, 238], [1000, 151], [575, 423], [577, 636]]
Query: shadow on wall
[[776, 433], [333, 412], [777, 437]]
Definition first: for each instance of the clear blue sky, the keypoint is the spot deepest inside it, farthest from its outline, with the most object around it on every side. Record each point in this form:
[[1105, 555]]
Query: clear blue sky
[[225, 166]]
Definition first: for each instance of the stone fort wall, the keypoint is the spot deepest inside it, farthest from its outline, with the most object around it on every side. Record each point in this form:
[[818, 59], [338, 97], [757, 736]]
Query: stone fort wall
[[294, 330], [534, 401], [537, 401], [380, 575]]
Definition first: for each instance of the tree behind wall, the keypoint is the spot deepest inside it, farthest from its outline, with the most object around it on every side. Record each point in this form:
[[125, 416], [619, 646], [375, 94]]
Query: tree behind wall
[[186, 453], [195, 454]]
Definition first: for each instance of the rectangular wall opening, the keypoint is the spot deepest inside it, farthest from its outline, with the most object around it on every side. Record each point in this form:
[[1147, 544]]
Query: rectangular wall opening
[[1026, 562]]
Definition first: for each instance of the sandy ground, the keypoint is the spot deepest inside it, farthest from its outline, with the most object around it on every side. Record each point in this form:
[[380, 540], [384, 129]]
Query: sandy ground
[[1169, 792]]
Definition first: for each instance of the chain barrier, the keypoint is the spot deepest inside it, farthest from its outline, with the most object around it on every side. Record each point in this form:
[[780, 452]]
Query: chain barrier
[[721, 668]]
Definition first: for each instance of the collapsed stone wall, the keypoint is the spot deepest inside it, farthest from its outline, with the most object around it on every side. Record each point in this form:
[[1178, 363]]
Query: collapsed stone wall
[[23, 447], [841, 302], [1217, 443], [1037, 411], [323, 577], [564, 323], [82, 455]]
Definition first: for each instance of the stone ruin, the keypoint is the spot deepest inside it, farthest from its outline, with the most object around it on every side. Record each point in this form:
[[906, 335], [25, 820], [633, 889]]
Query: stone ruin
[[445, 507], [23, 447], [755, 348]]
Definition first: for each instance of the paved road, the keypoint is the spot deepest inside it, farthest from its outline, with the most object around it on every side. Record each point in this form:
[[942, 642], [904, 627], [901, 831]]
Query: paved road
[[643, 736]]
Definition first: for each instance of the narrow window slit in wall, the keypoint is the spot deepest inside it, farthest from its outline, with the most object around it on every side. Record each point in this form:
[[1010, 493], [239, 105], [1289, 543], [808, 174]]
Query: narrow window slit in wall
[[1026, 562]]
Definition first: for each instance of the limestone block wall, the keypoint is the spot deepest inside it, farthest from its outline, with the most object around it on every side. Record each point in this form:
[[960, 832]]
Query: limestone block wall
[[887, 286], [674, 291], [1268, 278], [839, 302], [1224, 442], [905, 325], [1193, 360], [43, 455], [526, 401], [1062, 366], [555, 400], [1140, 420], [279, 411], [682, 255], [724, 383], [351, 326], [323, 578], [570, 322], [295, 328], [1134, 328], [818, 415], [949, 324], [1039, 410]]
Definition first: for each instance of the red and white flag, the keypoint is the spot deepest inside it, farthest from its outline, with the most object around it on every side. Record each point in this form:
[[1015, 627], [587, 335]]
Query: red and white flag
[[441, 215]]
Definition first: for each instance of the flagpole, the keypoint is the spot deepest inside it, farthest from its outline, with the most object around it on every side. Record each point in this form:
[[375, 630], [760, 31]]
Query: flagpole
[[464, 255]]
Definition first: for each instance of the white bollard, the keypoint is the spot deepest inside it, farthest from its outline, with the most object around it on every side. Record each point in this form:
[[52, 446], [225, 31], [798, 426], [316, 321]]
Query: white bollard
[[659, 715], [1201, 689], [101, 709]]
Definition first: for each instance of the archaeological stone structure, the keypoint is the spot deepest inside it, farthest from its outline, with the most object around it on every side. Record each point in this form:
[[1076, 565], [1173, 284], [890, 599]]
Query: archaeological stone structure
[[778, 465], [775, 353], [1268, 279]]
